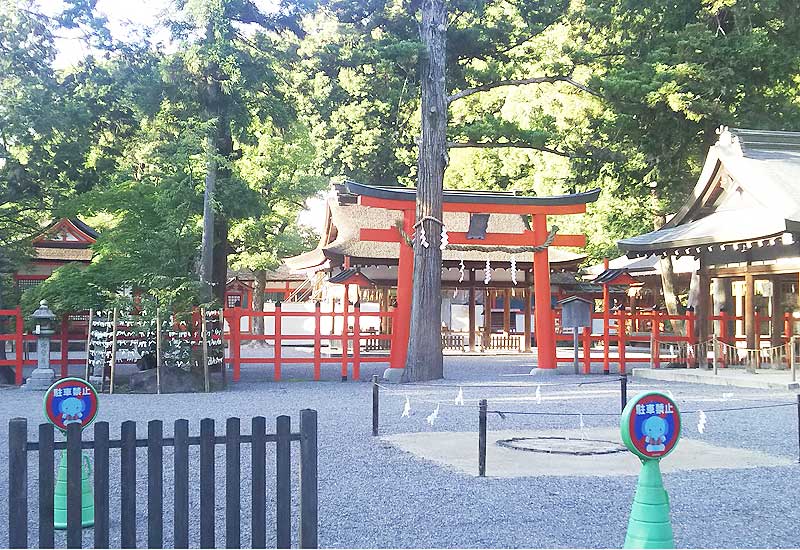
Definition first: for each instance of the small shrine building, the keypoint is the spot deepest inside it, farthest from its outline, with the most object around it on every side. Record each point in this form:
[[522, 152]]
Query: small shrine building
[[64, 241], [742, 223]]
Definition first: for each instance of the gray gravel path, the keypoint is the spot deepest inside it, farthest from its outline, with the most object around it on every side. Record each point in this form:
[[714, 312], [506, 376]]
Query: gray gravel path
[[373, 495]]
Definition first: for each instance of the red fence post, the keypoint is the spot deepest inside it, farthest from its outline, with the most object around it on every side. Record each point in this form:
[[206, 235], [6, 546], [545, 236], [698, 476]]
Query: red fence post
[[587, 350], [278, 342], [655, 347], [691, 339], [758, 340], [345, 303], [317, 340], [723, 336], [357, 341], [64, 346], [19, 347], [236, 343], [621, 322]]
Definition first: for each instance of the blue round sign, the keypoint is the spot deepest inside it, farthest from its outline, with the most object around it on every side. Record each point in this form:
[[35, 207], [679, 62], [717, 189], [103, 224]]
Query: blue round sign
[[70, 401]]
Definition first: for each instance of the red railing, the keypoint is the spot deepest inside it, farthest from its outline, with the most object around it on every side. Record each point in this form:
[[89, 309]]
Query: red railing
[[350, 335], [647, 328], [652, 332]]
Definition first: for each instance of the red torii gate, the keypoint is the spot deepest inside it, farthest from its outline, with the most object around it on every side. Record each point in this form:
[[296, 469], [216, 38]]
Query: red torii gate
[[404, 200]]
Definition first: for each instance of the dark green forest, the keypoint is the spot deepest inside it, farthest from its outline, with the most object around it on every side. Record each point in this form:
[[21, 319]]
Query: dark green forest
[[265, 102]]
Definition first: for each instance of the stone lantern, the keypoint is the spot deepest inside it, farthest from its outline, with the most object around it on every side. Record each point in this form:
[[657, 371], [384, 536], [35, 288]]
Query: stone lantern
[[42, 377]]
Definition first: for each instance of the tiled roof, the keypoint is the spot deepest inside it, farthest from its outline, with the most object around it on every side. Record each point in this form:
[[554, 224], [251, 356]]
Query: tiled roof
[[749, 190]]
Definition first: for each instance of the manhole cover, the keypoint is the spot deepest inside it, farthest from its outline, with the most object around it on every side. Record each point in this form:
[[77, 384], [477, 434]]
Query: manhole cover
[[562, 445]]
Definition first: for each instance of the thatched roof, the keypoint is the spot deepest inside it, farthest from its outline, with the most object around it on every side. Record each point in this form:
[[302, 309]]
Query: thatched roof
[[341, 238]]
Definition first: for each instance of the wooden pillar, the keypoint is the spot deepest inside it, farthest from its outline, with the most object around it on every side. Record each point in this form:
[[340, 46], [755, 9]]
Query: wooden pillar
[[545, 330], [384, 308], [776, 316], [527, 310], [472, 318], [487, 318], [405, 281], [703, 310], [749, 311], [507, 311]]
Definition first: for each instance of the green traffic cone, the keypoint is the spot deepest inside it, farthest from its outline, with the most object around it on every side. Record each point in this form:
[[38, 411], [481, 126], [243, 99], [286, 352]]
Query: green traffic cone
[[60, 495], [649, 525]]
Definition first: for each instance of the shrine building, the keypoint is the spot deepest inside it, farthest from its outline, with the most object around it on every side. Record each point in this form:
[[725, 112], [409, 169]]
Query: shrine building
[[499, 259], [64, 241], [742, 223]]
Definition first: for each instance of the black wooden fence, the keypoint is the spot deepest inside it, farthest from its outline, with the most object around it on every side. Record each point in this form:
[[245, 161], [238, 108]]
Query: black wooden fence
[[19, 446]]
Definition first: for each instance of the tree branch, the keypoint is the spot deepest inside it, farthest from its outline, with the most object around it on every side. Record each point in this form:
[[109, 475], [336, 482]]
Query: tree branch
[[520, 82], [512, 145]]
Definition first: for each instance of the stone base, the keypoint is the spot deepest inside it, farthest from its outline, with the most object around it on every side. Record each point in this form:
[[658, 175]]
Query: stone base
[[173, 380], [569, 368], [541, 373], [393, 375], [40, 380]]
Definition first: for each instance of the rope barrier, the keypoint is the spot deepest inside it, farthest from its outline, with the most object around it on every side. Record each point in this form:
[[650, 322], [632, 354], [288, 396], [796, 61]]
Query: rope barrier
[[532, 385], [541, 413]]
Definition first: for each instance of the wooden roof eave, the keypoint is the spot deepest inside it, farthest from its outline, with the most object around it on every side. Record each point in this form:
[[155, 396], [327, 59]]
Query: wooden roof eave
[[401, 195]]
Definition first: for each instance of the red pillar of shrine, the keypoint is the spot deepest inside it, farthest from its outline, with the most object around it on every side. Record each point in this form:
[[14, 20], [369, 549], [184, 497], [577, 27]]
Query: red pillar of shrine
[[543, 313], [401, 324]]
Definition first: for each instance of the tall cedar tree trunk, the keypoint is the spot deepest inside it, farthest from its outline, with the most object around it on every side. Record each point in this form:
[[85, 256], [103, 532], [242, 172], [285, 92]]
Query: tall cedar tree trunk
[[212, 101], [424, 361], [215, 245], [668, 280], [258, 299]]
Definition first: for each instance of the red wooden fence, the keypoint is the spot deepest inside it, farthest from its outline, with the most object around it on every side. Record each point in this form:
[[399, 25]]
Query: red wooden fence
[[350, 332], [643, 327]]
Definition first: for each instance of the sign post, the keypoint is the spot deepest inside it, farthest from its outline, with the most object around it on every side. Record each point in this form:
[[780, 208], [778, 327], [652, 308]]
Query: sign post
[[650, 427], [71, 401]]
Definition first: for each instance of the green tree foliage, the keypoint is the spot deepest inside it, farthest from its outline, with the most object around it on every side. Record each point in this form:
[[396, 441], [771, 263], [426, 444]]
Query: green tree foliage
[[60, 133], [148, 203], [670, 74]]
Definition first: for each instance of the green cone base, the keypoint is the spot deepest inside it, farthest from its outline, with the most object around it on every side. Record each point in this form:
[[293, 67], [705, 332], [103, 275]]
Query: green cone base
[[649, 525], [60, 496]]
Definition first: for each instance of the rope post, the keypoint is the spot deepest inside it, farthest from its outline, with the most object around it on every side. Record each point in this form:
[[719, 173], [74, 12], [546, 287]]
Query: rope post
[[483, 406], [375, 401], [623, 391], [792, 360]]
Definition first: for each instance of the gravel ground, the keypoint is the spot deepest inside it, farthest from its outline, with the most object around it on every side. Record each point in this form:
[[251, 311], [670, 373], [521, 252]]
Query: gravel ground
[[374, 495]]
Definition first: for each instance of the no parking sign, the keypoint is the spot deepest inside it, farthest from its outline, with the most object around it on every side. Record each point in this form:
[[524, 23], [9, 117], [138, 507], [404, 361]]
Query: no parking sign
[[651, 425], [70, 401]]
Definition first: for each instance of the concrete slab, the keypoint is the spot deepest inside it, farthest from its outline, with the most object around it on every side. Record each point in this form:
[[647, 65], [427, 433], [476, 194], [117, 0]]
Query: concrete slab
[[763, 379], [458, 451]]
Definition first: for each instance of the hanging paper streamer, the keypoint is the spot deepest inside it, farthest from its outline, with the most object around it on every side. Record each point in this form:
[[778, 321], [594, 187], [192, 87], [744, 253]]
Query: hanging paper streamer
[[701, 422], [513, 270], [538, 395], [433, 416], [406, 409], [727, 395], [423, 239], [445, 240], [487, 273], [460, 397], [461, 271], [533, 371]]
